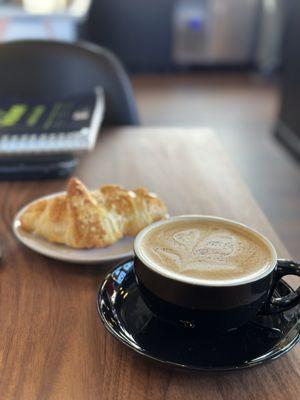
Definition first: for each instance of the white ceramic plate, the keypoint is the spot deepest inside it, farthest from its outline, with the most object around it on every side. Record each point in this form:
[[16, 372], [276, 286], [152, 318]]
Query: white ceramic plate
[[123, 248]]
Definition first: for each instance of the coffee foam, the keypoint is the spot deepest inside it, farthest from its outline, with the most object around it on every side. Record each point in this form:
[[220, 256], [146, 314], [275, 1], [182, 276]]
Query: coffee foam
[[206, 250]]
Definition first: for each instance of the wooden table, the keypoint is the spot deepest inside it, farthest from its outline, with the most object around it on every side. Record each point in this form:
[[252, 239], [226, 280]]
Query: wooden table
[[52, 343]]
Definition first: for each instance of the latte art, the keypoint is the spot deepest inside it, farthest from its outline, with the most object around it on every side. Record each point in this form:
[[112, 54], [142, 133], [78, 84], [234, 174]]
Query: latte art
[[206, 250]]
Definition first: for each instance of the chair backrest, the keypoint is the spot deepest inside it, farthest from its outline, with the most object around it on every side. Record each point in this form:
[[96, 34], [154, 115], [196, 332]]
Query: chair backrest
[[51, 68]]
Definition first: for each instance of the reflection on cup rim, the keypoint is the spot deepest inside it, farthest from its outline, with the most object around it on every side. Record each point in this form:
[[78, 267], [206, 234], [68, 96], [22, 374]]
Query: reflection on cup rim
[[197, 281]]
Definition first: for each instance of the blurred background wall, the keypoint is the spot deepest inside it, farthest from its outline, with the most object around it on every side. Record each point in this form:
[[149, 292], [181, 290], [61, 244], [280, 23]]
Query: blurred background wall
[[158, 36]]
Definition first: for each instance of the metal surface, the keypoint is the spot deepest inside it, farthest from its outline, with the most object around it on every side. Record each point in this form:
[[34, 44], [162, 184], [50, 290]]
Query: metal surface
[[214, 31]]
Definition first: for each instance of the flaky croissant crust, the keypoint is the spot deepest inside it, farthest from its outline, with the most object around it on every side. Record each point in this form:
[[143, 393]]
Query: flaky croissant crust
[[87, 219]]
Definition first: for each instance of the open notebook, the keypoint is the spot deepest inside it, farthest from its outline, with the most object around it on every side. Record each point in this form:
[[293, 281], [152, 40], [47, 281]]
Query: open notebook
[[50, 126]]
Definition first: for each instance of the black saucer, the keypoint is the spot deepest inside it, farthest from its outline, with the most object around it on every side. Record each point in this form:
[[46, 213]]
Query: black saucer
[[125, 315]]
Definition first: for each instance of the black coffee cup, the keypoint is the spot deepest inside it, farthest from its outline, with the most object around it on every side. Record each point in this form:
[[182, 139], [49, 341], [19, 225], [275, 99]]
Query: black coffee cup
[[224, 305]]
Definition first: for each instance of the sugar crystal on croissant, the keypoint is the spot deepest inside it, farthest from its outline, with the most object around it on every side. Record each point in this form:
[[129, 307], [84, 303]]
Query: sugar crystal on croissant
[[85, 219]]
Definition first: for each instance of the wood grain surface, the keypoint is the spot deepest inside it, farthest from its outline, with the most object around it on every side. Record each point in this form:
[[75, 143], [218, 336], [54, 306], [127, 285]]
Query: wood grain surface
[[242, 109], [52, 343]]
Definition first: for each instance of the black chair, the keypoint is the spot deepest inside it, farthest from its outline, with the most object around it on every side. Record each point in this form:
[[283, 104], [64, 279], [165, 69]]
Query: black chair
[[52, 68]]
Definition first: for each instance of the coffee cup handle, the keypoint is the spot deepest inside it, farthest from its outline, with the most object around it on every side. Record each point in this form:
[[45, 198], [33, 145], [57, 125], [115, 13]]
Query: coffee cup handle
[[278, 304]]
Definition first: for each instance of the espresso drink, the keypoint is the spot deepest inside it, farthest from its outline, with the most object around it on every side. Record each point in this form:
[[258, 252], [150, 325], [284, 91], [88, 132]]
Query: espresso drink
[[210, 250]]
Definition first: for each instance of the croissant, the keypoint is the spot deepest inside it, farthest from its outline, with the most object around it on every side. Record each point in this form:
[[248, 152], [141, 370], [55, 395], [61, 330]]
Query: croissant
[[86, 219]]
